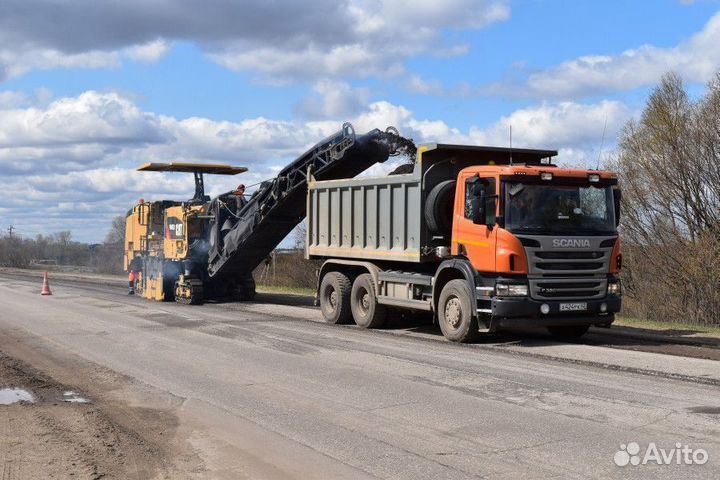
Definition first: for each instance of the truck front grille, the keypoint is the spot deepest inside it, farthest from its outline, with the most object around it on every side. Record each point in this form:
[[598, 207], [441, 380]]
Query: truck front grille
[[572, 273], [546, 259], [572, 262], [554, 266], [569, 255], [567, 288]]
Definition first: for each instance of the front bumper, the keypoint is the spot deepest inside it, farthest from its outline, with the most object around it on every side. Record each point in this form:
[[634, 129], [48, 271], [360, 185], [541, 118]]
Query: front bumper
[[525, 312]]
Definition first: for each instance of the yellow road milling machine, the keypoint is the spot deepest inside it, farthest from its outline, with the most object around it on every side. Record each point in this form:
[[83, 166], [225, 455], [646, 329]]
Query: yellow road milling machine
[[205, 248]]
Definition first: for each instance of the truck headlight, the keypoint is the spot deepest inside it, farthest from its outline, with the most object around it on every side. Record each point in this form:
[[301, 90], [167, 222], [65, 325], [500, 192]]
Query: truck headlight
[[511, 290], [614, 287]]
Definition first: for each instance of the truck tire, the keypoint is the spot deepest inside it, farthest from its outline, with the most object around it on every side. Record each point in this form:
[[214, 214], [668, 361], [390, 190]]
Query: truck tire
[[439, 208], [568, 332], [363, 303], [334, 298], [456, 312]]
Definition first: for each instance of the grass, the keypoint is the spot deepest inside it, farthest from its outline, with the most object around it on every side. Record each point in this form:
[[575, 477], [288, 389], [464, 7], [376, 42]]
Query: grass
[[711, 331], [308, 292]]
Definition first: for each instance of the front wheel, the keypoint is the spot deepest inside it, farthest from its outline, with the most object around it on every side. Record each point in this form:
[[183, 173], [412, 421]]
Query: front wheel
[[334, 298], [456, 312], [363, 302], [568, 332]]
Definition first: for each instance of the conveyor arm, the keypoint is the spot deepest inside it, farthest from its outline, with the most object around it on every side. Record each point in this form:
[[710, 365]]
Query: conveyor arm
[[279, 205]]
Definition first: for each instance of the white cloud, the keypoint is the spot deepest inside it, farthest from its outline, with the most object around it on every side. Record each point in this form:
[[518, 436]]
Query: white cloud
[[280, 65], [565, 124], [15, 63], [149, 52], [280, 41], [84, 150], [419, 85], [91, 118], [332, 99], [696, 60]]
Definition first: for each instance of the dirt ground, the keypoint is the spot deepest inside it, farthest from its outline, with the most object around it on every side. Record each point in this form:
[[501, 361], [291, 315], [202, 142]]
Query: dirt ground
[[56, 439]]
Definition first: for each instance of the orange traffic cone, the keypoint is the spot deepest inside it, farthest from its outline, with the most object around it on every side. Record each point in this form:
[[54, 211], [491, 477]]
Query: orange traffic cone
[[46, 286]]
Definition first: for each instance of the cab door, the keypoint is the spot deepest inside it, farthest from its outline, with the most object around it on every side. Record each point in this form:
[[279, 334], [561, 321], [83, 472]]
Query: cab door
[[474, 228], [175, 244]]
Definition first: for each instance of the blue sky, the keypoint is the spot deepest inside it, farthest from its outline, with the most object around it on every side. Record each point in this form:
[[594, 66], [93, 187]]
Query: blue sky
[[88, 91]]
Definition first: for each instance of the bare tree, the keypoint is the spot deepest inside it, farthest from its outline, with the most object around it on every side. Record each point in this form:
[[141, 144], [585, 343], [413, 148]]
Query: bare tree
[[299, 235], [116, 234], [671, 193]]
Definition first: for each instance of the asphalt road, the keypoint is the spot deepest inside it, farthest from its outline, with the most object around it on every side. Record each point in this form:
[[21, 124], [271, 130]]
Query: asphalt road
[[261, 392]]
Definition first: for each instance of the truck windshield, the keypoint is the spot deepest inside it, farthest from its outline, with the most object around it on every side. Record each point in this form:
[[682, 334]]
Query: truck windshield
[[542, 208]]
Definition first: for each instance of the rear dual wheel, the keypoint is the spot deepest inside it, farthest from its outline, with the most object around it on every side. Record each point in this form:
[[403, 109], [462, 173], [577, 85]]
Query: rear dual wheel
[[334, 296], [364, 305], [342, 299]]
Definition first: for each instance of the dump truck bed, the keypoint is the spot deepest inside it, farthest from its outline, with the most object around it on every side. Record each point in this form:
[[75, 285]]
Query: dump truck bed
[[384, 218], [369, 218]]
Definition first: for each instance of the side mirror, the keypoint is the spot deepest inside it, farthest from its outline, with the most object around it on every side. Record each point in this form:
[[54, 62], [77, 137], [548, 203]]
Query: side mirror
[[617, 198], [478, 208], [489, 216]]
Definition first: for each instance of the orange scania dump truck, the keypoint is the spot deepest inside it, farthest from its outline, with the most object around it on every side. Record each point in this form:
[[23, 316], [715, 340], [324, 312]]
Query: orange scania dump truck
[[482, 237]]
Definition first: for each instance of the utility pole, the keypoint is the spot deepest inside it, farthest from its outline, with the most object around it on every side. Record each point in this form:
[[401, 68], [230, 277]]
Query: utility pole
[[10, 230]]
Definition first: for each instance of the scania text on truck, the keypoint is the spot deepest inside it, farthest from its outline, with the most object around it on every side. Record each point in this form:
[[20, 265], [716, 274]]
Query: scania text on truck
[[482, 237]]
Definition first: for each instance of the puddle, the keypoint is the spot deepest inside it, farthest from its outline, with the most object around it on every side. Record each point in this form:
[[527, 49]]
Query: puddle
[[8, 396], [74, 397]]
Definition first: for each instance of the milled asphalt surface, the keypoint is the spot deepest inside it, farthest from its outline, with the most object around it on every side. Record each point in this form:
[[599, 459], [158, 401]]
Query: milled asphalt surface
[[339, 402]]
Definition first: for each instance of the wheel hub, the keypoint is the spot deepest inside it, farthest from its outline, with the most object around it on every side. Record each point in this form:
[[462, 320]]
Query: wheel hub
[[333, 299], [365, 301], [453, 312]]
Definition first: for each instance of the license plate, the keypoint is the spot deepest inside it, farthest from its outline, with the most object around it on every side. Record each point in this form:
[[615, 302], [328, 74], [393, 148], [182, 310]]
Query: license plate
[[573, 307]]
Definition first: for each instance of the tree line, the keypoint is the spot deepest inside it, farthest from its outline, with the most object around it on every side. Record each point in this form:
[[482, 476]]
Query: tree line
[[59, 250], [667, 161]]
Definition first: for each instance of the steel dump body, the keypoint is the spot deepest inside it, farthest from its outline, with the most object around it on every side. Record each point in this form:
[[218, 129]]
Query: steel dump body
[[366, 218], [383, 218]]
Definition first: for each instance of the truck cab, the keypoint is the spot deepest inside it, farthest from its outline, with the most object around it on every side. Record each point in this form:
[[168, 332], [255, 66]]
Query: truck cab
[[544, 244]]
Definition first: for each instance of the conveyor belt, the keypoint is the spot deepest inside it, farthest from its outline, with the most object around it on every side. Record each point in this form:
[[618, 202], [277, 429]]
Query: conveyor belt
[[279, 204]]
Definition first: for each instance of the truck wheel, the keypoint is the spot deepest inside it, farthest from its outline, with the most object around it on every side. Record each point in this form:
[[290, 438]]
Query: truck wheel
[[456, 312], [363, 303], [335, 298], [568, 332], [439, 207]]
